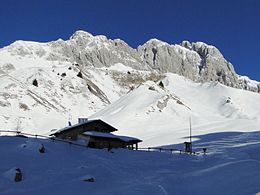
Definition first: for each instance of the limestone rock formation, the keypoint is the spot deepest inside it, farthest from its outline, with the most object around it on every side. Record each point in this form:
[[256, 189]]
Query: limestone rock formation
[[197, 61]]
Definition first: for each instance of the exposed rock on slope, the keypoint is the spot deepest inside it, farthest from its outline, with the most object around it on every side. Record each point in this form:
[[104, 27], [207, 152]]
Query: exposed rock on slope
[[197, 61], [82, 75]]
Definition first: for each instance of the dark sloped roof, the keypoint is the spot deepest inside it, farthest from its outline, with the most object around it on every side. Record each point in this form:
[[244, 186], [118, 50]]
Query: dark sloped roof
[[68, 128]]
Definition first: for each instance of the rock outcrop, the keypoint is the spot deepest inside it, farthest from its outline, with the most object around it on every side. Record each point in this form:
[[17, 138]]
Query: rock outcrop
[[197, 61]]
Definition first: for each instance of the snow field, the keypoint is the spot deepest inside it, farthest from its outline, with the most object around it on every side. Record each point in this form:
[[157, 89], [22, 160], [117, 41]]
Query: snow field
[[230, 166]]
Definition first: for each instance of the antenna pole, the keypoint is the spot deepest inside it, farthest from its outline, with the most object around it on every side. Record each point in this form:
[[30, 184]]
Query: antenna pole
[[190, 137], [18, 125]]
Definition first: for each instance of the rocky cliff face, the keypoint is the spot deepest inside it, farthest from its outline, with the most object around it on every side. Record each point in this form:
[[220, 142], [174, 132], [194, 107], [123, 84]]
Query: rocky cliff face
[[62, 80], [97, 51], [197, 61]]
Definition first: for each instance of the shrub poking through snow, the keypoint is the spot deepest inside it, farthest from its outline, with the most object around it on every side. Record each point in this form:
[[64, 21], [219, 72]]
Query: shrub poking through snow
[[63, 74], [179, 102], [23, 106], [35, 83], [89, 179], [80, 75], [18, 175], [161, 84], [42, 149], [151, 88], [228, 100], [132, 88]]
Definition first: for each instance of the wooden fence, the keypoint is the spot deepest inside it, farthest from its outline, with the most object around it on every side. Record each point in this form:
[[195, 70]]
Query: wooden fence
[[149, 149], [22, 134], [168, 150]]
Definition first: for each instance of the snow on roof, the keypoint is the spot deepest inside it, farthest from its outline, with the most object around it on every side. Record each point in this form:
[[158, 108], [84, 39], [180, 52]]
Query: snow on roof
[[79, 124], [72, 126], [110, 135]]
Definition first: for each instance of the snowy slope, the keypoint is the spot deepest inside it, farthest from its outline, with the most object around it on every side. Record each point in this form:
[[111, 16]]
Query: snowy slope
[[161, 116], [231, 166], [55, 96], [114, 85], [136, 91]]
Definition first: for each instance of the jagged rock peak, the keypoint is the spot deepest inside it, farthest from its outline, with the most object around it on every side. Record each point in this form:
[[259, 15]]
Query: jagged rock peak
[[22, 43], [204, 49], [81, 34], [186, 44], [156, 42], [197, 61]]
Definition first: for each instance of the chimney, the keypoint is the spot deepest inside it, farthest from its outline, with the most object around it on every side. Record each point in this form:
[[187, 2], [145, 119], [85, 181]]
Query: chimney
[[82, 120]]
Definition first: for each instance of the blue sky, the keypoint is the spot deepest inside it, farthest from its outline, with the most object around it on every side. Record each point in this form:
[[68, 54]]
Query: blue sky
[[232, 26]]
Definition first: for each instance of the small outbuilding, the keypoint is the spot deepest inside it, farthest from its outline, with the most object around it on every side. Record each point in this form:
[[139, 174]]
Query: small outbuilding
[[96, 134]]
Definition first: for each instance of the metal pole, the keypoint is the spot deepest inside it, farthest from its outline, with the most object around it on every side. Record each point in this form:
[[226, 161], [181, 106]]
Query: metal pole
[[18, 125], [190, 137]]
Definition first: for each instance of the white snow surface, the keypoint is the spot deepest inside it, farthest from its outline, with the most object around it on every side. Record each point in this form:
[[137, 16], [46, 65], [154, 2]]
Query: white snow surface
[[158, 116], [109, 135], [230, 166], [223, 119], [212, 107]]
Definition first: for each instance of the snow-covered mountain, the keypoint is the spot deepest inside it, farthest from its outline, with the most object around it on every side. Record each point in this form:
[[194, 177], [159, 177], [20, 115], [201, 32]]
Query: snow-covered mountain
[[148, 92], [161, 115]]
